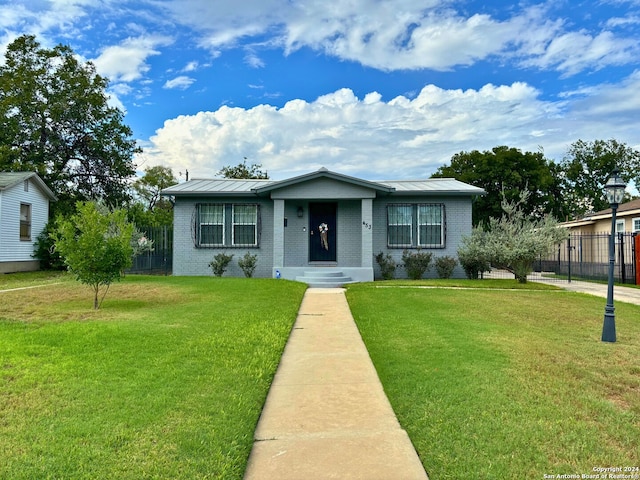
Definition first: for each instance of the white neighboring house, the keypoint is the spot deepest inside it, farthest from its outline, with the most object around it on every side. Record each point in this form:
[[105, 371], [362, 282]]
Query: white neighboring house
[[24, 212]]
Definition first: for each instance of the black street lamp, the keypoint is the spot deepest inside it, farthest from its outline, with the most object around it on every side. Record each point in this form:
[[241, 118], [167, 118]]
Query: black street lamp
[[614, 189]]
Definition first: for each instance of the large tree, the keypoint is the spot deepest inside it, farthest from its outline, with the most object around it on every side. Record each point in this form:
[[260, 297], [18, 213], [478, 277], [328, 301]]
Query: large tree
[[505, 172], [149, 207], [243, 171], [55, 119], [586, 168]]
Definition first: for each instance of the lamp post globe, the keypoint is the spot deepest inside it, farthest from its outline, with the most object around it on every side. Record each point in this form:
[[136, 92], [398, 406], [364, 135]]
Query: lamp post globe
[[614, 190]]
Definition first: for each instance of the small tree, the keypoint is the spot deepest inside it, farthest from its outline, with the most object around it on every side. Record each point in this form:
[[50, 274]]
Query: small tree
[[416, 264], [387, 265], [220, 263], [95, 245], [515, 241], [248, 264]]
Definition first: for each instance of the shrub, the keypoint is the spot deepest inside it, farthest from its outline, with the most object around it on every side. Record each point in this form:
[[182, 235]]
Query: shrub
[[445, 266], [473, 254], [220, 263], [248, 264], [387, 265], [416, 264]]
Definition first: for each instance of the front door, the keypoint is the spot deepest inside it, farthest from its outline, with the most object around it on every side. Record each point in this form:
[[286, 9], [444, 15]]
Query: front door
[[322, 232]]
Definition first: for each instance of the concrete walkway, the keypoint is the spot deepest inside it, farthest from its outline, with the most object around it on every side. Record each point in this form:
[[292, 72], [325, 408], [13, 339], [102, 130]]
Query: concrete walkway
[[620, 293], [326, 415]]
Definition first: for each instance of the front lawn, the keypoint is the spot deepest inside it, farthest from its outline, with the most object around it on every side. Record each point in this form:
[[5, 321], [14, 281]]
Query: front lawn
[[498, 384], [167, 380]]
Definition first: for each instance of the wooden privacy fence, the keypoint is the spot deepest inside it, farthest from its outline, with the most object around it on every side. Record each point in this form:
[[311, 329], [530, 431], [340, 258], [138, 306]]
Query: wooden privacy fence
[[158, 260], [586, 256]]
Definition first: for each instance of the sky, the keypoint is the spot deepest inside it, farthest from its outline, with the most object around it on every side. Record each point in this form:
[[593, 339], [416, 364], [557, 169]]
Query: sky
[[373, 89]]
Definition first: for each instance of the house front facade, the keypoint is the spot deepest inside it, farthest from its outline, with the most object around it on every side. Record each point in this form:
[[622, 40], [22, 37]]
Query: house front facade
[[321, 222], [24, 212]]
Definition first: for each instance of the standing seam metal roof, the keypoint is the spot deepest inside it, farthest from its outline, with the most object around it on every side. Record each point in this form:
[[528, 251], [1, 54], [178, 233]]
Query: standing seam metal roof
[[249, 186]]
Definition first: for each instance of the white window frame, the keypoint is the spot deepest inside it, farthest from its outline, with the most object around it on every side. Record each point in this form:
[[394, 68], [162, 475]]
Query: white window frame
[[635, 225], [398, 222], [235, 223], [25, 222], [429, 221], [202, 223], [414, 214]]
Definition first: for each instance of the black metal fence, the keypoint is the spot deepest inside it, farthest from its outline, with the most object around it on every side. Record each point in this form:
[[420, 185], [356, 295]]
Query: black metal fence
[[159, 259], [586, 256]]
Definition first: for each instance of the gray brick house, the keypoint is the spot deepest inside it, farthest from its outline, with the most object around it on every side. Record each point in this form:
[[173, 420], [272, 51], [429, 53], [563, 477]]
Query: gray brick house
[[321, 222]]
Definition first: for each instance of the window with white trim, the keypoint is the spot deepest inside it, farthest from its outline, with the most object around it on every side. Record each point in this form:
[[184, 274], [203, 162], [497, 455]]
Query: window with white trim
[[245, 225], [211, 225], [418, 225], [226, 225], [25, 222], [620, 226], [635, 225]]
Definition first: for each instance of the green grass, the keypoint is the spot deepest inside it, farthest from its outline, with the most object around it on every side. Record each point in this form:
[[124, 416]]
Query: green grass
[[502, 384], [30, 279], [166, 381]]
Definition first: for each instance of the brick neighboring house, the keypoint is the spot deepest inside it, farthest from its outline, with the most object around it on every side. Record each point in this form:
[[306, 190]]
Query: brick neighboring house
[[24, 212], [282, 222]]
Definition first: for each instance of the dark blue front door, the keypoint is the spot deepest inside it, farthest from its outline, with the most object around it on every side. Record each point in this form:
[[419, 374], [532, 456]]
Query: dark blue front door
[[322, 232]]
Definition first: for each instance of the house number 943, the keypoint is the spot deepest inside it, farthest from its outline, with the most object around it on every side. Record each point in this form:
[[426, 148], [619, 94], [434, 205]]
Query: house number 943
[[366, 225]]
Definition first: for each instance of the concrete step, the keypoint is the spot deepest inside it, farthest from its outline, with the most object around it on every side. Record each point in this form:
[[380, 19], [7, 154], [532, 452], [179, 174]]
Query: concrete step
[[324, 278]]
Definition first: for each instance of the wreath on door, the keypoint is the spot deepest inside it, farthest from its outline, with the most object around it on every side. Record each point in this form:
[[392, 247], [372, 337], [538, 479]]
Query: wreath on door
[[324, 235]]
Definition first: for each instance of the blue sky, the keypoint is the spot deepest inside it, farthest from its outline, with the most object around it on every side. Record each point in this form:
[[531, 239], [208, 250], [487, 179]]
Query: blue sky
[[377, 89]]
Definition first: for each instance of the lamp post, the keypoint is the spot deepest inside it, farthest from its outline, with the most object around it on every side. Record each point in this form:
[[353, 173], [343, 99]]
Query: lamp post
[[614, 189]]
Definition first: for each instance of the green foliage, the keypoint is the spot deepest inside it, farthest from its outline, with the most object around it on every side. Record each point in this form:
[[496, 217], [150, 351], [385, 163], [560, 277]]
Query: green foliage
[[505, 171], [248, 264], [220, 263], [512, 242], [473, 255], [150, 208], [387, 265], [445, 266], [45, 251], [55, 119], [242, 171], [416, 264], [96, 246], [587, 167]]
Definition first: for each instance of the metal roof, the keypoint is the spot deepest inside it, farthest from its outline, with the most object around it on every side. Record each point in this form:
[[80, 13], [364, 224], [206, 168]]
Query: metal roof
[[448, 186], [226, 186], [9, 179], [218, 186]]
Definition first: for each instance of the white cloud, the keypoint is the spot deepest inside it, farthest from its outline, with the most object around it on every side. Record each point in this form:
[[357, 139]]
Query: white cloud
[[182, 82], [405, 34], [576, 51], [126, 62], [399, 138]]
